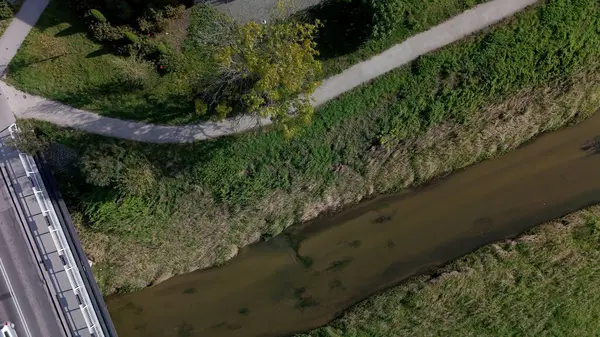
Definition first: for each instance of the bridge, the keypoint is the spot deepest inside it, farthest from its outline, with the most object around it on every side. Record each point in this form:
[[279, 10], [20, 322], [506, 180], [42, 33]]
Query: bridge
[[46, 286]]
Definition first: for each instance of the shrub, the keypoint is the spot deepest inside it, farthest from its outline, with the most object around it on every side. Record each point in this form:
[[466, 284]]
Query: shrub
[[105, 32], [97, 15], [135, 73], [6, 10], [132, 37], [161, 48], [174, 12], [171, 62], [145, 25], [157, 20], [200, 107]]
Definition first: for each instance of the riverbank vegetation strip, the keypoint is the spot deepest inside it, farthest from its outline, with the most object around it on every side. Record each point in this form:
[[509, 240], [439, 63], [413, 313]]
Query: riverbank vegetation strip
[[138, 203], [546, 282]]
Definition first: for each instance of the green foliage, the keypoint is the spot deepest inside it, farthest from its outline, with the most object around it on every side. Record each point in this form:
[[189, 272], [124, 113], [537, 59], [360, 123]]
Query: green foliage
[[6, 10], [129, 173], [545, 43], [97, 15], [105, 32], [171, 62], [156, 20], [90, 83], [200, 107], [266, 68], [261, 182], [161, 48], [387, 14], [132, 37], [103, 82]]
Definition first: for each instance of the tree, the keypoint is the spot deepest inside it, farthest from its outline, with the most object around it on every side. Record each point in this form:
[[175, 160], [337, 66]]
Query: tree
[[269, 70]]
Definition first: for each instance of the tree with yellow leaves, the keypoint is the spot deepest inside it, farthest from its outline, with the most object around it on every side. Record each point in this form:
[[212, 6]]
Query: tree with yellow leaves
[[269, 70]]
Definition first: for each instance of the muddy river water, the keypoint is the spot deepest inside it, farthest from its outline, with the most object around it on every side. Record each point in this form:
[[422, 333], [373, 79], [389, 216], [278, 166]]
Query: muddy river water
[[269, 290]]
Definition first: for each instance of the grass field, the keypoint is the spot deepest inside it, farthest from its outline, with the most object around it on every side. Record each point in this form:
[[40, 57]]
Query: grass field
[[471, 101], [60, 62], [544, 283]]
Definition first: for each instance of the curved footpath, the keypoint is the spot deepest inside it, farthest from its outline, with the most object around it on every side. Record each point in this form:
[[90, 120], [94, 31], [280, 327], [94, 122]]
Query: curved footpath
[[29, 106]]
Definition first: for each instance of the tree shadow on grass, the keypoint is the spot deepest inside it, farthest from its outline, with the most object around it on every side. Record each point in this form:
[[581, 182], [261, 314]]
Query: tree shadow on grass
[[103, 50], [58, 12], [131, 101], [347, 24], [75, 28]]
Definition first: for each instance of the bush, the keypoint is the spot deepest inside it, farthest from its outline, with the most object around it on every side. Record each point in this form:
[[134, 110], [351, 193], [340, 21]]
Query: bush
[[6, 10], [200, 107], [171, 62], [135, 73], [174, 12], [155, 21], [97, 15], [132, 37], [161, 48], [105, 32], [385, 15]]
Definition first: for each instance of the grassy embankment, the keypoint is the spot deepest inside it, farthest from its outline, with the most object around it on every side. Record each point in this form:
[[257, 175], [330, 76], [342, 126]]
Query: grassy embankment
[[60, 62], [544, 283], [147, 211]]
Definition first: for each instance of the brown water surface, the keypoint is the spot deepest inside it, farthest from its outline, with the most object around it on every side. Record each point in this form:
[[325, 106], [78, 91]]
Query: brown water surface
[[269, 291]]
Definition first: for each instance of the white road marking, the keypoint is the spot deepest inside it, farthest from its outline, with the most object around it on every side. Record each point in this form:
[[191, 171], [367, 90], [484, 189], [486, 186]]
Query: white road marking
[[12, 294]]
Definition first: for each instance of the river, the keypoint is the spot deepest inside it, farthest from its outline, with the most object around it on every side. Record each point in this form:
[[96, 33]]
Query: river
[[269, 290]]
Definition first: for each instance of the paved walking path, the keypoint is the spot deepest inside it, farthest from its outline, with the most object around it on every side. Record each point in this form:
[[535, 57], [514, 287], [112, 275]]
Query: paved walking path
[[473, 20], [10, 42]]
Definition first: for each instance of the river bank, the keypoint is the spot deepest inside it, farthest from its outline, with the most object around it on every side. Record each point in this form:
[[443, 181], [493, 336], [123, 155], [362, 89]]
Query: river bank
[[147, 212], [544, 282], [308, 277]]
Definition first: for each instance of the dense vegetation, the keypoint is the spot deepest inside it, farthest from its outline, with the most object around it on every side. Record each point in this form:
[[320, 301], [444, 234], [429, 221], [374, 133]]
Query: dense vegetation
[[449, 109], [544, 283], [98, 56], [7, 11]]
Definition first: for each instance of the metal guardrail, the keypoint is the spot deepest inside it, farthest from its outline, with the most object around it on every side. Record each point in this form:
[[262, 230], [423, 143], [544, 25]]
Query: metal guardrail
[[60, 241]]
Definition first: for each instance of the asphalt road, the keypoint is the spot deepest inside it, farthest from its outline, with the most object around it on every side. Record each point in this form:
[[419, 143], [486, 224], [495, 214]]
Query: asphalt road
[[24, 298]]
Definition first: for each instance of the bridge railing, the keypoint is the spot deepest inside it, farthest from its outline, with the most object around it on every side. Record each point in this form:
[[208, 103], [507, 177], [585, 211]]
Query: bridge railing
[[60, 241]]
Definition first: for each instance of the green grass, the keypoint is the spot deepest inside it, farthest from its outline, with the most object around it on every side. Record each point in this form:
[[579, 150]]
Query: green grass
[[468, 102], [60, 62], [545, 283]]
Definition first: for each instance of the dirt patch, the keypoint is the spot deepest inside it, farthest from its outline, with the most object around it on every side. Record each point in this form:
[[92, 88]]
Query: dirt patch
[[176, 31]]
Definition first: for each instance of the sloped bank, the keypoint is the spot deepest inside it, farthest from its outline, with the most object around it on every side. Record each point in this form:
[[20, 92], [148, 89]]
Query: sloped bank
[[304, 278], [545, 282]]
